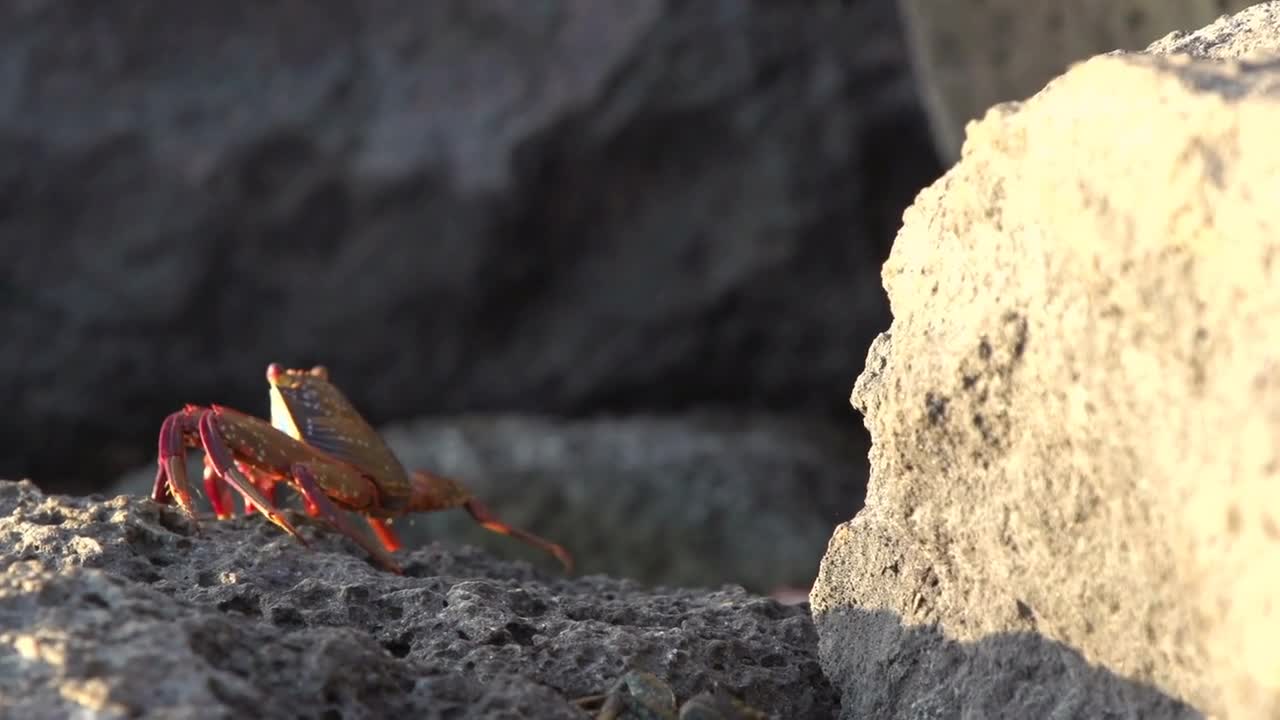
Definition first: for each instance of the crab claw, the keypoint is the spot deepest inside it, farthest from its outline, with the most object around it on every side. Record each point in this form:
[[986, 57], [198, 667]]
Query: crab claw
[[176, 433]]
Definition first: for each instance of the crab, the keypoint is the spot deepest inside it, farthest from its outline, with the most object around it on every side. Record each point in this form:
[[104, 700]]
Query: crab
[[320, 445], [640, 695]]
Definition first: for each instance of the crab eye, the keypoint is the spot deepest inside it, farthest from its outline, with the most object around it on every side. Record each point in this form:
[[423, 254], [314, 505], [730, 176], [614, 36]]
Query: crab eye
[[274, 371]]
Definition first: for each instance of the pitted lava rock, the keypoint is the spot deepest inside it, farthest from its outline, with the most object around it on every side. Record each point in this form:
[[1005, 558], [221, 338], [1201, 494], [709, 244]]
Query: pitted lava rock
[[122, 607]]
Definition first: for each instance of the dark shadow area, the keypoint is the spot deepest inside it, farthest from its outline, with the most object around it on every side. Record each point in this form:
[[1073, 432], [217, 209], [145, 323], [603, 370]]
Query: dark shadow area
[[595, 213], [887, 670]]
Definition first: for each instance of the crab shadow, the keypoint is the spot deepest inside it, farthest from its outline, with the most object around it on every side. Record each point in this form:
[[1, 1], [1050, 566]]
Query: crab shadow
[[884, 669]]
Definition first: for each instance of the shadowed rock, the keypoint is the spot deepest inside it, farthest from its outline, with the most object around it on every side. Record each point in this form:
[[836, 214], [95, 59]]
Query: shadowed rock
[[1016, 674], [561, 207]]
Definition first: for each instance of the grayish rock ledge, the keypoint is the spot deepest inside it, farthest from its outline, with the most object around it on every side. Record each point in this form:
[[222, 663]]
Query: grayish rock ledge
[[116, 608]]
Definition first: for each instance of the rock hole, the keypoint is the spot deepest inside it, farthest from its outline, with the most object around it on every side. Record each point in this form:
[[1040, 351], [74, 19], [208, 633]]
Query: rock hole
[[287, 617], [1024, 611], [984, 348], [521, 633], [1234, 520], [935, 408], [175, 523], [147, 576], [398, 648], [51, 516], [242, 604]]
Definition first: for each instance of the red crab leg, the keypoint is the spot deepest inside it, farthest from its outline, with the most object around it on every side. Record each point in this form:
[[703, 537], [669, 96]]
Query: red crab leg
[[433, 492], [265, 482], [385, 534], [224, 463], [171, 459], [318, 504], [487, 520], [218, 491]]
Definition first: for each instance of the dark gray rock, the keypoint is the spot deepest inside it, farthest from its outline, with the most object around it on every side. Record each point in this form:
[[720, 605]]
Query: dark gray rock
[[553, 207], [118, 608], [698, 499]]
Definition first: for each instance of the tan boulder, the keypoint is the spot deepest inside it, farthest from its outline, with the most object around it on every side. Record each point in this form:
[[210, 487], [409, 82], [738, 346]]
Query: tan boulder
[[1074, 505]]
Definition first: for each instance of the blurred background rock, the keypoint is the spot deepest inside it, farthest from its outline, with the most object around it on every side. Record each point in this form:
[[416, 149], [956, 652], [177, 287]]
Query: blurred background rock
[[582, 225], [972, 54], [561, 207]]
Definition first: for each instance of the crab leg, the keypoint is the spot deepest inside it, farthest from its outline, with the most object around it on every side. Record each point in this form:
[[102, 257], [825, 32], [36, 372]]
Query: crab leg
[[385, 534], [220, 495], [487, 520], [307, 407], [440, 493], [224, 464], [171, 474], [265, 483], [319, 505], [218, 491]]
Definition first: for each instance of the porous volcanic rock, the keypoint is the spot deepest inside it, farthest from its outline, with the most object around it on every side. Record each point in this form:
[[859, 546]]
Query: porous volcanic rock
[[118, 607], [1074, 506], [691, 500], [559, 207], [968, 55]]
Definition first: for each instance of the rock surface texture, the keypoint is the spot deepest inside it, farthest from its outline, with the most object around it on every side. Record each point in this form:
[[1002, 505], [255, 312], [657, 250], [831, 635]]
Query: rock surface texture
[[556, 207], [116, 608], [1074, 507], [968, 55], [693, 500]]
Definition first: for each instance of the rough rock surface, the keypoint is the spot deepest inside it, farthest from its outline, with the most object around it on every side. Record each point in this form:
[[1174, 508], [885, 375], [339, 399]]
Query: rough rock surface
[[116, 607], [971, 54], [560, 207], [701, 499], [1076, 412]]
